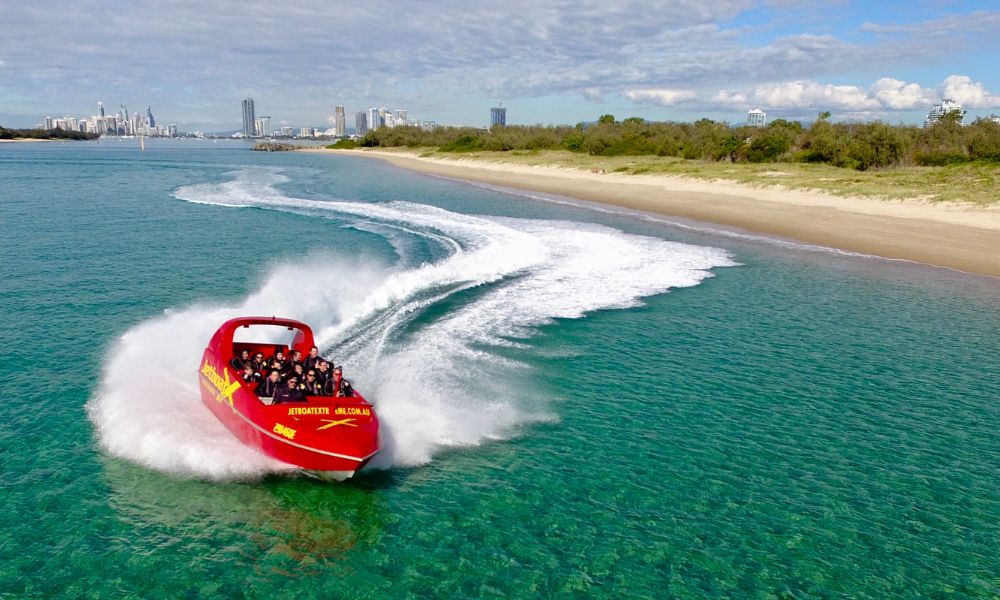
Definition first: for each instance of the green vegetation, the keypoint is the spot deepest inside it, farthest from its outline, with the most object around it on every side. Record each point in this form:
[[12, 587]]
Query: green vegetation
[[45, 134], [945, 162], [858, 146], [343, 145]]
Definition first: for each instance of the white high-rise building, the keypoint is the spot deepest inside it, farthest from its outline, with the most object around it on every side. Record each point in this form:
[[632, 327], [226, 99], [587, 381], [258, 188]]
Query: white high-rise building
[[360, 123], [263, 126], [756, 117], [375, 120], [939, 110]]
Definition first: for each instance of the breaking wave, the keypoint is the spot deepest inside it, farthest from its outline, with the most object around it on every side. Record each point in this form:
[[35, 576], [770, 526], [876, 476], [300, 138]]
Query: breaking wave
[[435, 375]]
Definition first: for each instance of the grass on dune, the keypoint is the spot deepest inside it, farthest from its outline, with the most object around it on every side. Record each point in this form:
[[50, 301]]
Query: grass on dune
[[970, 183]]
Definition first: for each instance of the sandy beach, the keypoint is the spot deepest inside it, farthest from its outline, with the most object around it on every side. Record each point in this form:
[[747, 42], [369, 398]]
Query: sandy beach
[[961, 237]]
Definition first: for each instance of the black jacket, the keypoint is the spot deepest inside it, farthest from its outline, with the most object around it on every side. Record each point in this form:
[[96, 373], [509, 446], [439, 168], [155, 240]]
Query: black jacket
[[287, 394]]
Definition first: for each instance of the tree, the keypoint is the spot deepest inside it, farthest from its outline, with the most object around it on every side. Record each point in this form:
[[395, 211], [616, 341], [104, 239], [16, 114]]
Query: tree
[[606, 120]]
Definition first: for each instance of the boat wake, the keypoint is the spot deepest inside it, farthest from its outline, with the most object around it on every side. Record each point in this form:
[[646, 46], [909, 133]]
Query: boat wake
[[420, 339]]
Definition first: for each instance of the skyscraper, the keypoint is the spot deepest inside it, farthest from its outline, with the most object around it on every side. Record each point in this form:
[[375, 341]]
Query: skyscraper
[[361, 123], [340, 121], [249, 122], [756, 117], [498, 116], [373, 119], [100, 107]]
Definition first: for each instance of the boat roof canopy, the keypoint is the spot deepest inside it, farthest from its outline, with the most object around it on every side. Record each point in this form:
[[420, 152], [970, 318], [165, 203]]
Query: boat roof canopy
[[224, 335]]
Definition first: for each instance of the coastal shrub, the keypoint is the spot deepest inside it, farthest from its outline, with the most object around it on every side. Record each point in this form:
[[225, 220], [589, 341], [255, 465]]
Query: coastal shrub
[[573, 142], [876, 146], [768, 148], [849, 145], [984, 140], [465, 143], [344, 145], [940, 159]]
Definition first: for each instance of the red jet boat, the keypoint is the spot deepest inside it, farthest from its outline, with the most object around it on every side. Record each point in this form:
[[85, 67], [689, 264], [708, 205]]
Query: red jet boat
[[329, 437]]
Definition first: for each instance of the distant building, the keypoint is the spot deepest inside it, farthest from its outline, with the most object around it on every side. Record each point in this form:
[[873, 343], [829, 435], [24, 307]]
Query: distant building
[[360, 123], [376, 117], [498, 116], [400, 116], [100, 108], [756, 117], [995, 119], [305, 132], [172, 130], [947, 106], [249, 121], [340, 120], [149, 115], [287, 131], [263, 126]]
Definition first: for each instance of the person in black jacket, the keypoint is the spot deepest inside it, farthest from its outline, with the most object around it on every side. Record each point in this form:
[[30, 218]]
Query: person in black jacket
[[249, 375], [238, 362], [312, 361], [323, 372], [279, 357], [259, 364], [314, 387], [290, 392], [267, 388]]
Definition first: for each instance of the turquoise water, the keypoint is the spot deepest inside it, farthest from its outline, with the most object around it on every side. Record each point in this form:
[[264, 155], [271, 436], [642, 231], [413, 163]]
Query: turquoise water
[[782, 422]]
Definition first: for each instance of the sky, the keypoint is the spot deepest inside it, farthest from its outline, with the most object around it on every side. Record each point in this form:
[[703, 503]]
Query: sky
[[553, 62]]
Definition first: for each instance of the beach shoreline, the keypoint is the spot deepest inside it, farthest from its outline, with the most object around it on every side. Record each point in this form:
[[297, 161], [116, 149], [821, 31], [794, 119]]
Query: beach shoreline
[[965, 238]]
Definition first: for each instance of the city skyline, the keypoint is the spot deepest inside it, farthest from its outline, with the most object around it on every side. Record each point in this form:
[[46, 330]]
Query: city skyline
[[571, 62]]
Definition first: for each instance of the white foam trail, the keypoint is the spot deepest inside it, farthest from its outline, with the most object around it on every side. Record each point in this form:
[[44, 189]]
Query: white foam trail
[[435, 381]]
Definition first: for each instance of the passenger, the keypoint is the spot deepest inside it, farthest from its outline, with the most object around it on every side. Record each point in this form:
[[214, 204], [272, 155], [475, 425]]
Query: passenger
[[323, 371], [249, 375], [290, 392], [238, 362], [331, 387], [259, 364], [279, 357], [338, 386], [299, 372], [314, 387], [296, 359], [268, 387], [279, 367], [312, 361]]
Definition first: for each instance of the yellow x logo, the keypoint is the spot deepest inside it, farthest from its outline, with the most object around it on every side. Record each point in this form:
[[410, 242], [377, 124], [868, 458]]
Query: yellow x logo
[[331, 423]]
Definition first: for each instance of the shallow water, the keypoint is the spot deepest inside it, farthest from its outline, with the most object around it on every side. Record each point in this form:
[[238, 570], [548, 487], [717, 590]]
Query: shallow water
[[783, 421]]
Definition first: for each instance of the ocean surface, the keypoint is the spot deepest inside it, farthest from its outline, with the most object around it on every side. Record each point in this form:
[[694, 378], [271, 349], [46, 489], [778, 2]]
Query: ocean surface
[[576, 401]]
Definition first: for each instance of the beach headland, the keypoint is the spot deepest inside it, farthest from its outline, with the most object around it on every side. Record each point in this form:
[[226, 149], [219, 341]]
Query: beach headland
[[952, 235]]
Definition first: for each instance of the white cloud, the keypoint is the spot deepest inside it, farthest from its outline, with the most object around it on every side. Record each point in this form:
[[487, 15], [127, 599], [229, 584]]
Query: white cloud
[[661, 97], [594, 94], [971, 94], [899, 95], [886, 94], [810, 94]]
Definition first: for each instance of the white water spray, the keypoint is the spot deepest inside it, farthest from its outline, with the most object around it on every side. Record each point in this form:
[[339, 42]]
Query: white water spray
[[436, 385]]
